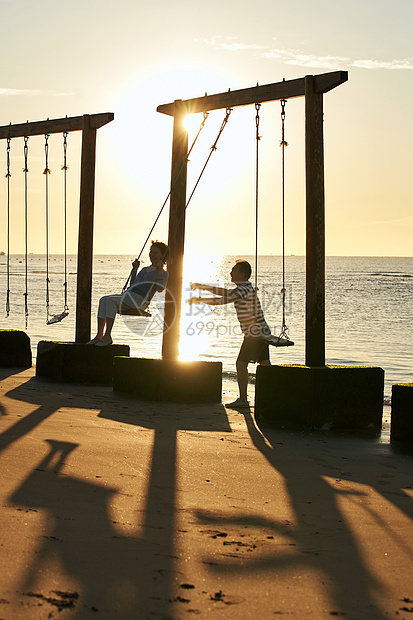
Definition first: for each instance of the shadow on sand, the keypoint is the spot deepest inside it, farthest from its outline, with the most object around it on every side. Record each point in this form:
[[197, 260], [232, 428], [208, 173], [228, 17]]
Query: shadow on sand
[[120, 574], [315, 483], [117, 574]]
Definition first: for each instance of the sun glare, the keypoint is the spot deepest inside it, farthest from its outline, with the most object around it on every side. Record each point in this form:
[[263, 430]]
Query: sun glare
[[195, 329], [192, 123], [192, 343]]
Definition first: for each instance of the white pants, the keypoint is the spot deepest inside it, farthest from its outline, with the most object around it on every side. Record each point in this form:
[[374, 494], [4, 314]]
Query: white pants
[[109, 305]]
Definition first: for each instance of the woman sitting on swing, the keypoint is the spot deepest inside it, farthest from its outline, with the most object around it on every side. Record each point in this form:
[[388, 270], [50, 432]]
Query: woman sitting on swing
[[136, 298]]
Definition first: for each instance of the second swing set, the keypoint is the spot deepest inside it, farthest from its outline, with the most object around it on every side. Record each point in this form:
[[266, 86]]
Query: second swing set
[[50, 319]]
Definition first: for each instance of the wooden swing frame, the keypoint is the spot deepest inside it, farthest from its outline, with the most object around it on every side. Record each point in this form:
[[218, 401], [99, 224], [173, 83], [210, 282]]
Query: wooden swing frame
[[312, 87], [88, 125]]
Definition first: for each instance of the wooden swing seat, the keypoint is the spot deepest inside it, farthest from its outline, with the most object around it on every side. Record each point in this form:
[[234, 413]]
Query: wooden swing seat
[[57, 318], [133, 312], [277, 341]]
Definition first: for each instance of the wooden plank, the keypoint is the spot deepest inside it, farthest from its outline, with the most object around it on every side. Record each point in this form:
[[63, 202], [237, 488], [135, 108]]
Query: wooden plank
[[176, 236], [85, 243], [324, 82], [287, 89], [315, 227], [58, 125]]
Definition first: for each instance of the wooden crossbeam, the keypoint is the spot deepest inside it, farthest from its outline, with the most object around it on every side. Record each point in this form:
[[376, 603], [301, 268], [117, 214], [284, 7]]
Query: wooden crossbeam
[[58, 125], [287, 89]]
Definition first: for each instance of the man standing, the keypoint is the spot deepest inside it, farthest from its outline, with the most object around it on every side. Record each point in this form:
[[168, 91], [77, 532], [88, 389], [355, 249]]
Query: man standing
[[254, 327]]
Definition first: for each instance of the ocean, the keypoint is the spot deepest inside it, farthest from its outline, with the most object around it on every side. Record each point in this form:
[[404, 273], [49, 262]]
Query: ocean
[[369, 309]]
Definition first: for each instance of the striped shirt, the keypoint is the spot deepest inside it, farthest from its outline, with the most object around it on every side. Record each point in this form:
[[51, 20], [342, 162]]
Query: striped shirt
[[249, 311]]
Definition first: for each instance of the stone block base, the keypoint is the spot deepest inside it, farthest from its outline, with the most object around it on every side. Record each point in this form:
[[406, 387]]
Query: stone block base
[[15, 350], [168, 380], [402, 413], [71, 362], [328, 397]]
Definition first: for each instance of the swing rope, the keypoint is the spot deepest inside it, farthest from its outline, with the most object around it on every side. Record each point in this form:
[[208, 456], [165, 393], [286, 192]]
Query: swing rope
[[26, 218], [283, 144], [205, 116], [257, 139], [283, 339], [8, 175], [65, 168], [57, 317], [46, 172], [212, 150]]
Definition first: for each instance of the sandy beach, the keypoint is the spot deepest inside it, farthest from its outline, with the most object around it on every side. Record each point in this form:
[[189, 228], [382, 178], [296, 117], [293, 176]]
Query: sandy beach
[[117, 508]]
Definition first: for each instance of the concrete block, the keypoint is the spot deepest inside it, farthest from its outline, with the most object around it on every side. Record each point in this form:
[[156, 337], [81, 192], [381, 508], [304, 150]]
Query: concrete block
[[328, 397], [402, 413], [168, 380], [71, 362], [15, 350]]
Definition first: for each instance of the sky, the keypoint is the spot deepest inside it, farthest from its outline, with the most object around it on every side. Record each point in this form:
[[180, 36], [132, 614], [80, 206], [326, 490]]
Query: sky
[[87, 56]]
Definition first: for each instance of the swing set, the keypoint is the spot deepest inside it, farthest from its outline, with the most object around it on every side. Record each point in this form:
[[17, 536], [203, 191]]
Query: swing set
[[312, 88], [88, 124]]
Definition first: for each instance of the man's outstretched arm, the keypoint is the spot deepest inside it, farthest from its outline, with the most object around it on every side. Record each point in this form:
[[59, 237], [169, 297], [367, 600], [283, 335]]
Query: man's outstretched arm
[[215, 290], [210, 301]]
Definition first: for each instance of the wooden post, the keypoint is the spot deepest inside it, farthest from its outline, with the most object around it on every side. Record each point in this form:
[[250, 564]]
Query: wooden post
[[176, 235], [315, 226], [85, 243]]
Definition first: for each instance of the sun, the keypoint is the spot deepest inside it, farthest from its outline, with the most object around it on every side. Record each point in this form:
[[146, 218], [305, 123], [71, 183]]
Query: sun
[[192, 123]]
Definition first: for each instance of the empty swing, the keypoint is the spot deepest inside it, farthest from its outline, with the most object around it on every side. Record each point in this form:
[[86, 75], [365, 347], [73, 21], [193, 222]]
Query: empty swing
[[58, 317], [283, 340], [26, 235], [8, 175], [50, 320], [26, 226]]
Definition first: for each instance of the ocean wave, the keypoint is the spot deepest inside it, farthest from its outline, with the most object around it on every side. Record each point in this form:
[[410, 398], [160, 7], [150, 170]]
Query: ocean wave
[[392, 275]]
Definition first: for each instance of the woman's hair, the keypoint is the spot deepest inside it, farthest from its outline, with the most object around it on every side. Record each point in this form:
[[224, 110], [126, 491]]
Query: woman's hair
[[163, 248], [244, 266]]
